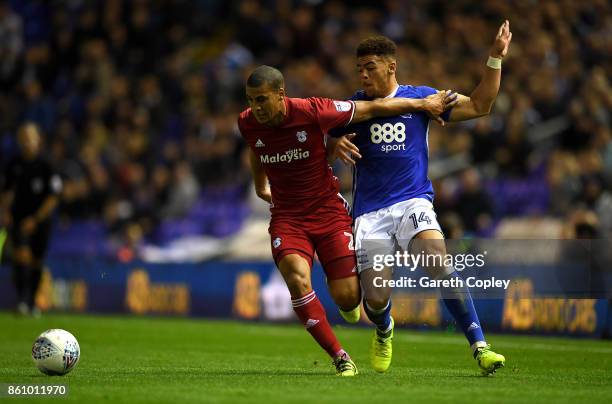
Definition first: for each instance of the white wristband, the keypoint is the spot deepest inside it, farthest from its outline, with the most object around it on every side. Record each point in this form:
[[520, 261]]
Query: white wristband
[[494, 63]]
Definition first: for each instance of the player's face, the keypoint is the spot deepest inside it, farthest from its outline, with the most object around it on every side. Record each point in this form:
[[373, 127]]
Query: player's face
[[29, 141], [376, 73], [266, 102]]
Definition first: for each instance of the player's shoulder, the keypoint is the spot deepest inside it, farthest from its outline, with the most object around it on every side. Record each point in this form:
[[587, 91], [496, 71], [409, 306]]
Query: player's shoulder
[[313, 106], [246, 121], [322, 104], [302, 110], [245, 115], [314, 102], [304, 104], [410, 91]]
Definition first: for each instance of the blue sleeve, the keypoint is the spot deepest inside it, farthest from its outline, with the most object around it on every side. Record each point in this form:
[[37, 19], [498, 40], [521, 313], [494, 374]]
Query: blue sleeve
[[345, 130], [426, 92]]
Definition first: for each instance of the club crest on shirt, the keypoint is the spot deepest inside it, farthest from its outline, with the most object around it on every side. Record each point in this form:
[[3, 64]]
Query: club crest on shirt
[[277, 242], [301, 136]]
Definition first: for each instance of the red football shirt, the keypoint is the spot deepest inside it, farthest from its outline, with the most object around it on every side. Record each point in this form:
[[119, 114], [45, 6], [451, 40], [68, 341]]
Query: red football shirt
[[293, 154]]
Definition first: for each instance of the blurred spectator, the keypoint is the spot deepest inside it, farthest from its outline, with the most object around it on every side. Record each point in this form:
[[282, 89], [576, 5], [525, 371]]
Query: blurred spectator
[[183, 192], [581, 224], [474, 204], [11, 45], [452, 226]]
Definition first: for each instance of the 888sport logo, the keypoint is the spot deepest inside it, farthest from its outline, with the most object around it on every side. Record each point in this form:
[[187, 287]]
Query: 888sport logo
[[390, 136]]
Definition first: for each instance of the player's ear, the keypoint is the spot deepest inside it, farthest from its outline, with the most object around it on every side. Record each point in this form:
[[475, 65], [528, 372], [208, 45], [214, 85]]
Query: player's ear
[[392, 67], [281, 93]]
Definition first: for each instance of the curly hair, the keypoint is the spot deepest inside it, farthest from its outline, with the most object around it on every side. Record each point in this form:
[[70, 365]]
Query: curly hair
[[376, 45]]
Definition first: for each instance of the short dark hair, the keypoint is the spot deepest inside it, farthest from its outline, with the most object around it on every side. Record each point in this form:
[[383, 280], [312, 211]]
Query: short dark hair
[[266, 74], [376, 45]]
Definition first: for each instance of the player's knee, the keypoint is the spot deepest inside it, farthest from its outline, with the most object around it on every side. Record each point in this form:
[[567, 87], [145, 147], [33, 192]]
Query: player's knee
[[296, 272], [430, 248], [430, 242], [377, 302], [435, 252], [298, 283], [346, 301]]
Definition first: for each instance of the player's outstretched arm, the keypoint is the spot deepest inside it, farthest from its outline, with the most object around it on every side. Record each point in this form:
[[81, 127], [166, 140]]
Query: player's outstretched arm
[[481, 100], [433, 105], [262, 189]]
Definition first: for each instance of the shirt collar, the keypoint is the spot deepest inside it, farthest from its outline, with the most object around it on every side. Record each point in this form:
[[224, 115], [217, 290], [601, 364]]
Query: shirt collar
[[393, 92]]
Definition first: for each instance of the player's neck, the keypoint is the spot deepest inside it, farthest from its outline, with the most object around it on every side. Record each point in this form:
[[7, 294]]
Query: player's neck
[[280, 116], [390, 90], [387, 91]]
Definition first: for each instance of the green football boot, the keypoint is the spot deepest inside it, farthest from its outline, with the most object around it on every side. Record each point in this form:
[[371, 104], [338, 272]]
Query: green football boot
[[489, 361], [345, 366], [381, 350]]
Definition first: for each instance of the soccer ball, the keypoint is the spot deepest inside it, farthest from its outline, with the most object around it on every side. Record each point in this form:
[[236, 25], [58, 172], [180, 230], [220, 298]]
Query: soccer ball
[[56, 352]]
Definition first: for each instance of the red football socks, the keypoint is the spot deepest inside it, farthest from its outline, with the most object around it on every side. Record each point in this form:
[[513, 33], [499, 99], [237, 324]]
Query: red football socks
[[312, 315]]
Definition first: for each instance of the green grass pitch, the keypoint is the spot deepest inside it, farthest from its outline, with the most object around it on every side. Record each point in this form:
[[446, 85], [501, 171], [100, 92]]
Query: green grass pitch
[[171, 360]]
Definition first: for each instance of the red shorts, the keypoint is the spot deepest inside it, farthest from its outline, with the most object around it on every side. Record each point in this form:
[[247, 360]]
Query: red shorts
[[326, 231]]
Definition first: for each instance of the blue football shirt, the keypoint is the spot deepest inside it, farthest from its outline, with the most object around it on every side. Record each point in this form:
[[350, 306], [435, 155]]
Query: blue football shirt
[[395, 155]]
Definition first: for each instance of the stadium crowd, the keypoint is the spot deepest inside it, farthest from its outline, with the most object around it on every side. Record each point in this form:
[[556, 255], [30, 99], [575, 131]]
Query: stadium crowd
[[138, 99]]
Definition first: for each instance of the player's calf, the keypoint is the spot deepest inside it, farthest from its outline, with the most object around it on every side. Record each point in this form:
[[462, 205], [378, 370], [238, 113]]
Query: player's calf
[[377, 300], [312, 315], [345, 289], [377, 305], [296, 272]]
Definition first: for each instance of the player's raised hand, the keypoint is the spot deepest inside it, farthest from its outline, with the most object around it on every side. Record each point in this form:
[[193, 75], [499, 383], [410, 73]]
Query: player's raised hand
[[502, 41], [346, 150]]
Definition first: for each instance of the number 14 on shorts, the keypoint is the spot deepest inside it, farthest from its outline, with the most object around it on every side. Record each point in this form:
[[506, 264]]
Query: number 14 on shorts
[[422, 218]]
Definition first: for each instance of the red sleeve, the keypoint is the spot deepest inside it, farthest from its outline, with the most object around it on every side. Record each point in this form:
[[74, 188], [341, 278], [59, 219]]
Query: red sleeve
[[239, 122], [242, 121], [332, 113]]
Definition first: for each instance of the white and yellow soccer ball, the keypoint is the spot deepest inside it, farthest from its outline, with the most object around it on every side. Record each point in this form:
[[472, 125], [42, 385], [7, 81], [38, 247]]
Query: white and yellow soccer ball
[[56, 352]]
